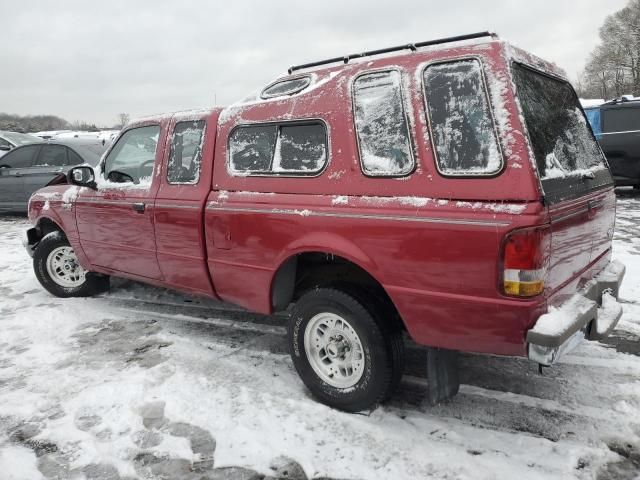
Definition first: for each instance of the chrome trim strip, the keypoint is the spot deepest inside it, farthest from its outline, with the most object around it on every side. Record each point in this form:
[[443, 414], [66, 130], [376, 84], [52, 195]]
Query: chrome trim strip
[[168, 205], [362, 216], [566, 216], [105, 201], [617, 133]]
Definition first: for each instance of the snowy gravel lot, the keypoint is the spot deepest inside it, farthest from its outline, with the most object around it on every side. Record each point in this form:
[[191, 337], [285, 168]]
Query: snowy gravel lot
[[147, 383]]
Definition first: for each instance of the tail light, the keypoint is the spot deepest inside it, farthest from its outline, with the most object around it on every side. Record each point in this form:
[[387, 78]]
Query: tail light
[[525, 257]]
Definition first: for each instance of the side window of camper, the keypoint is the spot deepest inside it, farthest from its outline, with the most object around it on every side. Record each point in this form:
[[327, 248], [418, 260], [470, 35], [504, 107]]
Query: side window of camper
[[186, 153], [381, 125], [296, 148], [462, 129]]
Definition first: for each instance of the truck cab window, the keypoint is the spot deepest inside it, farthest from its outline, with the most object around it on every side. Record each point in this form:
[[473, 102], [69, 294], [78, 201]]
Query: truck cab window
[[186, 153], [133, 157]]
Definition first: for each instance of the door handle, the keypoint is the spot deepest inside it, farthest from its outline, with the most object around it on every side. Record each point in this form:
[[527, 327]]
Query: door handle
[[138, 207], [17, 174]]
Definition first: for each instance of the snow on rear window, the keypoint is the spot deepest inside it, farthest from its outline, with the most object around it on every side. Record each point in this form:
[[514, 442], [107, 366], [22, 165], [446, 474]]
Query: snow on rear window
[[381, 124], [561, 140], [463, 131], [251, 148], [297, 148], [300, 148]]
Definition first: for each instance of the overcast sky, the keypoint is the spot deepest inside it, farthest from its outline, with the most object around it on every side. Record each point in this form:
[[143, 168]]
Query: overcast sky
[[89, 61]]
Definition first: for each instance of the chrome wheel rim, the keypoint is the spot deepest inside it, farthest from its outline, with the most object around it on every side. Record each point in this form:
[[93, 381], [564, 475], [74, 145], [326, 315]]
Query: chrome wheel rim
[[64, 269], [334, 350]]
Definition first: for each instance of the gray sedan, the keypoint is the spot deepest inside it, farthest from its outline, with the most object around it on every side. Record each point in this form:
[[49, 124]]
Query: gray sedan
[[28, 168]]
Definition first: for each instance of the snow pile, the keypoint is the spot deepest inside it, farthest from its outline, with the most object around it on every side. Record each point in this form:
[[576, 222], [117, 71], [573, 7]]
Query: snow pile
[[591, 102], [613, 271]]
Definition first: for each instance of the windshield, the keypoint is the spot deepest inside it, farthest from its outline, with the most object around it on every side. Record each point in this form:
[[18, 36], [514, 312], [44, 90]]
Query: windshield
[[567, 155], [21, 138]]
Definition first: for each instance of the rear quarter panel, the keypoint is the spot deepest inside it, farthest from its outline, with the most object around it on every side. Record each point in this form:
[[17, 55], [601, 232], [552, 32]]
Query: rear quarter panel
[[438, 260]]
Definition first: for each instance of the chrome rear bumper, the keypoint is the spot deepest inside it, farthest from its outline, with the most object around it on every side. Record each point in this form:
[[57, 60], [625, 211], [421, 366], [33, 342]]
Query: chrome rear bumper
[[590, 314]]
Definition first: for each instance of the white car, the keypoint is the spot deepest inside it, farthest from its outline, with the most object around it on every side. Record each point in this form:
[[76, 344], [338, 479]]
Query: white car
[[11, 140]]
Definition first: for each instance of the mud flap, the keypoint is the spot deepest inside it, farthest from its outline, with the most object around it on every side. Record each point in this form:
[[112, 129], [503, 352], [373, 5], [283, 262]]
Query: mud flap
[[442, 373]]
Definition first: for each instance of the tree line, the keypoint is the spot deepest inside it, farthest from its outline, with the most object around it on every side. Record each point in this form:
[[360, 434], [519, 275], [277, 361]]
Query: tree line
[[613, 68], [41, 123]]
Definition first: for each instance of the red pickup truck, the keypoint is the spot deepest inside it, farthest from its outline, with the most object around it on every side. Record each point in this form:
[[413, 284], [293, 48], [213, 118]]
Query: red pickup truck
[[449, 189]]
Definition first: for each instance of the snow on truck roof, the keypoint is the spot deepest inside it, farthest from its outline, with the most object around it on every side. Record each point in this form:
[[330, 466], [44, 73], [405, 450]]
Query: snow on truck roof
[[179, 115]]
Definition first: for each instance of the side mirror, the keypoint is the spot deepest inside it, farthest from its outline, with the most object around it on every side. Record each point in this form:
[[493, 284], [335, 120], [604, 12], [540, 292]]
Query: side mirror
[[5, 148], [82, 176]]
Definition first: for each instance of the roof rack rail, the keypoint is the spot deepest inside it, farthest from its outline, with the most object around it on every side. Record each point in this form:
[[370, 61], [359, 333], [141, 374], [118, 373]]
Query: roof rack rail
[[410, 46]]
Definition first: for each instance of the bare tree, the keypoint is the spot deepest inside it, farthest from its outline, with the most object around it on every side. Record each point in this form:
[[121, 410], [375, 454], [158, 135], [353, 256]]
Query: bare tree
[[613, 68], [123, 119]]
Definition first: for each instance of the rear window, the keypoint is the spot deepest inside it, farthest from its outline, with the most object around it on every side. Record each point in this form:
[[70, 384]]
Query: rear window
[[291, 148], [463, 132], [623, 119], [568, 158]]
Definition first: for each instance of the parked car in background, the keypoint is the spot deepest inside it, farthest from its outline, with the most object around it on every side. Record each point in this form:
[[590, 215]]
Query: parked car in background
[[106, 136], [11, 140], [30, 167], [616, 125], [49, 134]]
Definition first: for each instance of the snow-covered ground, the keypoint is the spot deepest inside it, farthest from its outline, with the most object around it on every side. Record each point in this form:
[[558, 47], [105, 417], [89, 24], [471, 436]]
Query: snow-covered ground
[[146, 383]]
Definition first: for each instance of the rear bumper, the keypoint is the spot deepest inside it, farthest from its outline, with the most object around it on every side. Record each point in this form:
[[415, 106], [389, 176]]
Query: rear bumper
[[590, 314]]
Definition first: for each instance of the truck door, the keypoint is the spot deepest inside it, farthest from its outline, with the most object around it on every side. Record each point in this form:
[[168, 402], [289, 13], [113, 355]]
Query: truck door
[[115, 222], [184, 186]]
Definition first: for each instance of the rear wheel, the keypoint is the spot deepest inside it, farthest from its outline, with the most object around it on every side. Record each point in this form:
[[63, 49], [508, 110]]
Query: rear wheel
[[58, 270], [345, 352]]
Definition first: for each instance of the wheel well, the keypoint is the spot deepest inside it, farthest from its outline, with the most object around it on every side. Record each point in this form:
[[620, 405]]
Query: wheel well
[[305, 271], [46, 226]]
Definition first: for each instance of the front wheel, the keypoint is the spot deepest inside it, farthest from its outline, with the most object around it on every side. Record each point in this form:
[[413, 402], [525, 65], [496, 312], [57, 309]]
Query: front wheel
[[347, 355], [57, 269]]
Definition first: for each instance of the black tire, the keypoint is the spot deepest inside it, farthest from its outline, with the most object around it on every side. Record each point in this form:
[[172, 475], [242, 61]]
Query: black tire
[[382, 344], [92, 284]]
